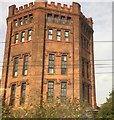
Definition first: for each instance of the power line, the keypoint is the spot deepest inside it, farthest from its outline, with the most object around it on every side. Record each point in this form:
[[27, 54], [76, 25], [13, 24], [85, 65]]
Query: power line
[[56, 41]]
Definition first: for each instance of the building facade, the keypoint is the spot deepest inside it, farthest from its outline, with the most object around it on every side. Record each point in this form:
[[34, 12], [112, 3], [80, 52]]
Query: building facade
[[48, 54]]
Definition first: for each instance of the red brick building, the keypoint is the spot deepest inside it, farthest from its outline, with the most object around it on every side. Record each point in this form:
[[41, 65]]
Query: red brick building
[[48, 54]]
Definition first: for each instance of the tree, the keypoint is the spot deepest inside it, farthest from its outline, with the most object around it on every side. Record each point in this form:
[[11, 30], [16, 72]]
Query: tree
[[53, 109], [106, 109]]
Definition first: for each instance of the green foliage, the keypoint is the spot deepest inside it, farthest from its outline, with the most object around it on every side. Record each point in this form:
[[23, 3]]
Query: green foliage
[[106, 110], [53, 109]]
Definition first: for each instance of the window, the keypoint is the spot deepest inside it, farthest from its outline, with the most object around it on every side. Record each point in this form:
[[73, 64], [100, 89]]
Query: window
[[55, 18], [63, 90], [25, 65], [15, 23], [15, 69], [22, 36], [23, 92], [16, 38], [62, 20], [64, 64], [87, 45], [31, 18], [68, 20], [88, 96], [50, 90], [49, 17], [25, 20], [83, 91], [50, 32], [66, 35], [58, 35], [51, 64], [12, 96], [83, 68], [87, 69], [30, 34], [20, 21]]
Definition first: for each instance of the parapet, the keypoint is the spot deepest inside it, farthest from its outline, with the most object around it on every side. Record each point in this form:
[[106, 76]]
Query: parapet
[[74, 8]]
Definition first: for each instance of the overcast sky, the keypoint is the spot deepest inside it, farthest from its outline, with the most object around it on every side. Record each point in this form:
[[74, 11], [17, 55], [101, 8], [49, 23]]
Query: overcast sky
[[101, 12]]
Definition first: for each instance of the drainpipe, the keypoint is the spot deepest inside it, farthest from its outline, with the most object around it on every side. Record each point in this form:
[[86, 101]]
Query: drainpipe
[[7, 67], [43, 64]]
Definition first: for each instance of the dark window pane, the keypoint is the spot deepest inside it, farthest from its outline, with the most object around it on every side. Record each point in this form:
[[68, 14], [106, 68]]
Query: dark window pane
[[83, 71], [31, 18], [62, 20], [49, 17], [15, 69], [51, 64], [25, 65], [50, 90], [63, 90], [25, 20], [23, 91], [64, 64], [12, 96], [55, 18], [68, 20]]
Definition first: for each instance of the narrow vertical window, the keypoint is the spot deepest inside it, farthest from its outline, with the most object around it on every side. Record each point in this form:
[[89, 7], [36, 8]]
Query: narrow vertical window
[[51, 64], [12, 96], [49, 17], [30, 34], [83, 91], [55, 18], [25, 65], [88, 95], [15, 70], [15, 23], [62, 20], [83, 71], [66, 35], [25, 20], [30, 18], [87, 69], [20, 21], [64, 64], [22, 36], [50, 32], [16, 38], [23, 92], [63, 90], [50, 90], [58, 35]]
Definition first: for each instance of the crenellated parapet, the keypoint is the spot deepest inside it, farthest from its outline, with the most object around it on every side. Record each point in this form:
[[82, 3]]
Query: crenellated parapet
[[74, 8], [25, 8], [60, 7]]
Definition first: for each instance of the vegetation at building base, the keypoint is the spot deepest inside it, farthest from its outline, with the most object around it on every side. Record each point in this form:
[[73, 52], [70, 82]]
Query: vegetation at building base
[[107, 109], [53, 109], [57, 109]]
